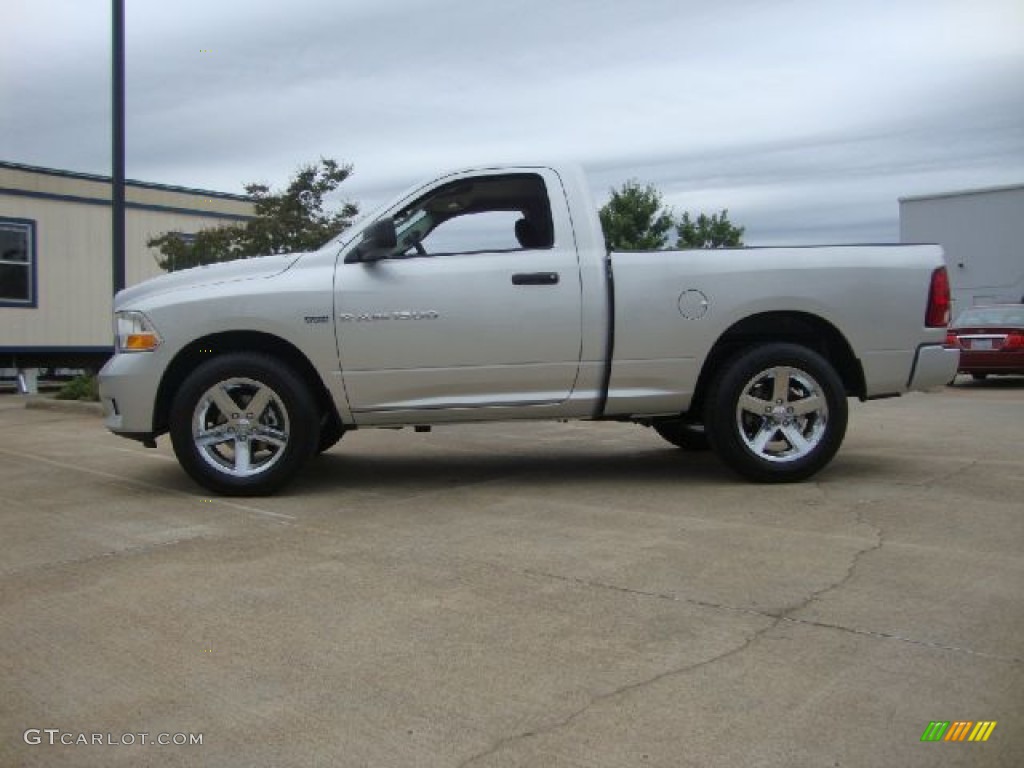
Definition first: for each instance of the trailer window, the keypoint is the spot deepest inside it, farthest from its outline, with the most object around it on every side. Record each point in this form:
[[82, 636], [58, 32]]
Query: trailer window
[[17, 262]]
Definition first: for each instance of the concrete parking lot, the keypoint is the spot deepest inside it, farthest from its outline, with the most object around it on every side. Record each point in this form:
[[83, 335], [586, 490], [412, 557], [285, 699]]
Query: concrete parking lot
[[519, 595]]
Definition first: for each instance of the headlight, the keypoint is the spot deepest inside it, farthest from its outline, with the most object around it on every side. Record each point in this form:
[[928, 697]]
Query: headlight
[[135, 332]]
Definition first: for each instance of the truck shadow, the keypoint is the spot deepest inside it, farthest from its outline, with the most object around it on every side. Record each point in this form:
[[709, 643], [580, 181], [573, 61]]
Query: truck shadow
[[345, 469], [642, 470], [409, 470]]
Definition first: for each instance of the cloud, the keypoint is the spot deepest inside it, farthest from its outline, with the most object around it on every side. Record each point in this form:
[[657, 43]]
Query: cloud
[[784, 112]]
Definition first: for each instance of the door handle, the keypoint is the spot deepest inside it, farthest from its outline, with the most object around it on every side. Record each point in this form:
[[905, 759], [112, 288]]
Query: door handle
[[535, 278]]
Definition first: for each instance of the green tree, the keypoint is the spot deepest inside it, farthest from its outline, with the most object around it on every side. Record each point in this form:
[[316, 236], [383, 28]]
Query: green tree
[[634, 219], [714, 231], [290, 221]]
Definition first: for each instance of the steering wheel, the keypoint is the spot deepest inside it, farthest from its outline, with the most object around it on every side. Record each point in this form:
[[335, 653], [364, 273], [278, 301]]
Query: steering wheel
[[413, 240]]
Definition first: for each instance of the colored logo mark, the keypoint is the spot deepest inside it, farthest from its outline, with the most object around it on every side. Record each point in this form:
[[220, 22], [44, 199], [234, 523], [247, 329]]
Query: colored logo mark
[[958, 730]]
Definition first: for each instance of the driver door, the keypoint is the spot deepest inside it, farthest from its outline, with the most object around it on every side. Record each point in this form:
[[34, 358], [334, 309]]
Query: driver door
[[469, 318]]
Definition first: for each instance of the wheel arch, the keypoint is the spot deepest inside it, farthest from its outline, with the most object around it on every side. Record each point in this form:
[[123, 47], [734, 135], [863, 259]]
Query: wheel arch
[[212, 345], [803, 328]]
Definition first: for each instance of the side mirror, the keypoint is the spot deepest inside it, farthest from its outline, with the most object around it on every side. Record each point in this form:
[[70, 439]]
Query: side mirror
[[378, 240]]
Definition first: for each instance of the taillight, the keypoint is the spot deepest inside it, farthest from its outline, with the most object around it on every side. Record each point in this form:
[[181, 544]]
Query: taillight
[[1014, 339], [952, 340], [937, 315]]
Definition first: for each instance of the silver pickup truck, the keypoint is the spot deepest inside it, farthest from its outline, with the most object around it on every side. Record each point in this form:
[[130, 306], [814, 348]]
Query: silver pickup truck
[[489, 294]]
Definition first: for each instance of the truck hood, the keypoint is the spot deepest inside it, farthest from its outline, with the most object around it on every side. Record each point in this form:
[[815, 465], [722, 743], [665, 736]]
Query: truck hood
[[210, 274]]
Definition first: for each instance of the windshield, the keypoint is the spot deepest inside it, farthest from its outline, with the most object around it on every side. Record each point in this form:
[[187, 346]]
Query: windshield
[[1012, 315]]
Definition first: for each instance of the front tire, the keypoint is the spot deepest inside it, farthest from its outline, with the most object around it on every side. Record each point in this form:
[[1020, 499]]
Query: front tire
[[242, 424], [776, 413]]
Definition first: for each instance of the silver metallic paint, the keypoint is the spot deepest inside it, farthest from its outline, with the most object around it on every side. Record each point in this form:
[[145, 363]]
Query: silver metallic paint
[[498, 351]]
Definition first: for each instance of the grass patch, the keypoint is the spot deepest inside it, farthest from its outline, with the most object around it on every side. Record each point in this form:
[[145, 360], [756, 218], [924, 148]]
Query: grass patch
[[80, 388]]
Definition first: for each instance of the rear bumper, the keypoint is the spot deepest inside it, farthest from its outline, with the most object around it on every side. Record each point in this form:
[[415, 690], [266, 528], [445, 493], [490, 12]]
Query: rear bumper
[[934, 365], [997, 361]]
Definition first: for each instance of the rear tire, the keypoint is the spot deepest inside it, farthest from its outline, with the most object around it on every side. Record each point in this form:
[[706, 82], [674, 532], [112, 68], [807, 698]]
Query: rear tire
[[242, 424], [689, 437], [776, 413]]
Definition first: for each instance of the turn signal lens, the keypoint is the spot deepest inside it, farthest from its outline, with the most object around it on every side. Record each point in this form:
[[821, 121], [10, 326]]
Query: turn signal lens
[[135, 333], [141, 342]]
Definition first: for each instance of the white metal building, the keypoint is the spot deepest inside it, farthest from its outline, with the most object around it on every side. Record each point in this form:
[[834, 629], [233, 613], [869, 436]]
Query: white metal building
[[982, 232], [56, 263]]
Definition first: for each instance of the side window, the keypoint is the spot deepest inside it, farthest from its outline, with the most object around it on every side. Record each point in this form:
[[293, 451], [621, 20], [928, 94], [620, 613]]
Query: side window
[[17, 262], [489, 213], [488, 231]]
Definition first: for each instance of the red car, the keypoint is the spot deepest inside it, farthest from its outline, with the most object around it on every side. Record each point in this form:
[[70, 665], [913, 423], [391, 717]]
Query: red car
[[990, 340]]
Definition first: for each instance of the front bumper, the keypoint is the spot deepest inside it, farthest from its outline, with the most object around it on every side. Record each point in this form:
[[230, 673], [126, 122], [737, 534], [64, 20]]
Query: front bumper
[[934, 365], [128, 385]]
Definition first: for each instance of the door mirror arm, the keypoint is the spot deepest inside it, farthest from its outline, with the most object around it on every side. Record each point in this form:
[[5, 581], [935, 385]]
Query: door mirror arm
[[378, 241]]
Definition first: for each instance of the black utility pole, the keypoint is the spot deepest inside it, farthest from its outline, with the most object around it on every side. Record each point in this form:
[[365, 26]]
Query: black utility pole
[[117, 177]]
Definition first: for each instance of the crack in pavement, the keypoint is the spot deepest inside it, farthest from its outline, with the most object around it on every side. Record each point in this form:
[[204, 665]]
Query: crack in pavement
[[130, 551], [500, 744], [774, 619], [782, 616], [932, 480], [858, 509]]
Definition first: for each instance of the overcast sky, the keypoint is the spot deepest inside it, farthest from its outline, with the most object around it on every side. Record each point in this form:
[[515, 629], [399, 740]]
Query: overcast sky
[[807, 119]]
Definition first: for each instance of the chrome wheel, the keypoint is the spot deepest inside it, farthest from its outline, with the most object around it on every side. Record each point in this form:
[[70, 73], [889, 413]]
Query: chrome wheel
[[243, 423], [240, 427], [776, 412], [782, 414]]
